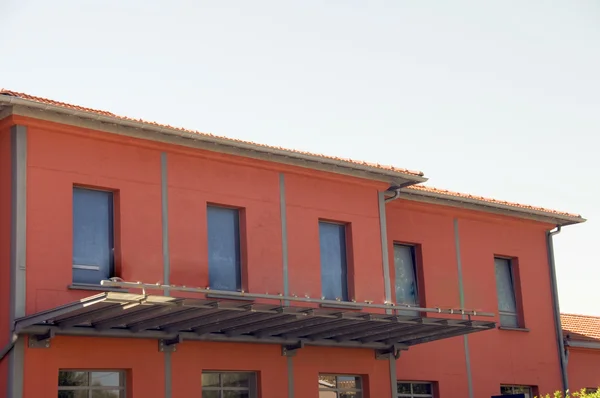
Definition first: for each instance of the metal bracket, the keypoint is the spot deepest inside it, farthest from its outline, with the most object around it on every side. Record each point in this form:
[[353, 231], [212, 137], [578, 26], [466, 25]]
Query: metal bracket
[[290, 350], [169, 345], [41, 340], [392, 352]]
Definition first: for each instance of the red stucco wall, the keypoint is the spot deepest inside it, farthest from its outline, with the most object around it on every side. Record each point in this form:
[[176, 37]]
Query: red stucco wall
[[61, 156], [584, 368]]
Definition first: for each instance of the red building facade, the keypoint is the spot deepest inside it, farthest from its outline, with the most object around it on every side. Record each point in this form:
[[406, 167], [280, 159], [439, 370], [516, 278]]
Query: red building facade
[[582, 351], [290, 262]]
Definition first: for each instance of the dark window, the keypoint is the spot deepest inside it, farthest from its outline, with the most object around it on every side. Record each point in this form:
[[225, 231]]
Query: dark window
[[334, 386], [92, 235], [407, 291], [91, 384], [505, 286], [224, 259], [526, 391], [415, 389], [334, 273], [228, 385]]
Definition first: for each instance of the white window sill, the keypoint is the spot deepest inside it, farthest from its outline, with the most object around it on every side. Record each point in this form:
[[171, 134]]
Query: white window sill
[[512, 329]]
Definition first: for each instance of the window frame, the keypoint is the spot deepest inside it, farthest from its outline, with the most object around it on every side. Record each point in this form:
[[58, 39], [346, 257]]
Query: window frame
[[514, 283], [337, 390], [252, 382], [112, 228], [347, 289], [415, 250], [122, 388], [412, 394], [241, 249]]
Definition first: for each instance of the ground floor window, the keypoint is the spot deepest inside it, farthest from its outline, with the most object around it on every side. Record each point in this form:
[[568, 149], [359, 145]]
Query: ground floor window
[[340, 386], [414, 389], [229, 385], [510, 390], [91, 384]]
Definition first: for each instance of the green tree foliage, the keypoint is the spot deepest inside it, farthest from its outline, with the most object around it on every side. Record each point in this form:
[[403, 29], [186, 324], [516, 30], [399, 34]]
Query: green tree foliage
[[577, 394]]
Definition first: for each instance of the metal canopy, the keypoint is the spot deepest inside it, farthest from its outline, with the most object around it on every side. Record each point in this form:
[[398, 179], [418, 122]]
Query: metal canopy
[[115, 314]]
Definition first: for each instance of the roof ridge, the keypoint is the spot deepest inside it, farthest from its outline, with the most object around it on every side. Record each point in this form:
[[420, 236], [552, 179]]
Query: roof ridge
[[421, 187], [580, 315], [29, 97]]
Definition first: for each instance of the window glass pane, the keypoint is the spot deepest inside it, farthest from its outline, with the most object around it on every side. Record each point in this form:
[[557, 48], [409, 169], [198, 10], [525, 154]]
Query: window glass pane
[[67, 378], [406, 279], [334, 278], [421, 388], [210, 380], [404, 388], [326, 382], [236, 394], [73, 394], [105, 394], [235, 379], [350, 394], [92, 235], [510, 321], [210, 394], [107, 379], [504, 285], [224, 259], [351, 382]]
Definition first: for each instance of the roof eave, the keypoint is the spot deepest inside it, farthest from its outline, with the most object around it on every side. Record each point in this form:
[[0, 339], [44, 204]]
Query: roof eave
[[497, 208], [24, 107], [583, 344]]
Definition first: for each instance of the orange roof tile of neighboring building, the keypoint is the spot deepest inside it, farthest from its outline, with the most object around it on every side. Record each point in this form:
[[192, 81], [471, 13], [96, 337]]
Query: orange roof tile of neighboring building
[[581, 327], [459, 195], [110, 114]]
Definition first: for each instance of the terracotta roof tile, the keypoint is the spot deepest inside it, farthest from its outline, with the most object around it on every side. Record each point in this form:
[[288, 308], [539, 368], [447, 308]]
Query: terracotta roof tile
[[110, 114], [423, 188], [416, 188], [581, 327]]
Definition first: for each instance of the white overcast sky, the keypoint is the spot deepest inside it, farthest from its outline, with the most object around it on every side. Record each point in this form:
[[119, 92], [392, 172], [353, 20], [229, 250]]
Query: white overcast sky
[[496, 98]]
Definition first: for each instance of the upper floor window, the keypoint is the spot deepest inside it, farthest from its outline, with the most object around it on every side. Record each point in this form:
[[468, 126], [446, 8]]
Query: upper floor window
[[334, 267], [405, 267], [333, 386], [93, 241], [505, 286], [415, 389], [513, 390], [224, 257], [229, 385], [90, 384]]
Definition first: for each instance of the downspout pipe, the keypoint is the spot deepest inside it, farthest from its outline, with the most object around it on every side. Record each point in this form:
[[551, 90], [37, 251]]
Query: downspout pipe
[[557, 324], [396, 189]]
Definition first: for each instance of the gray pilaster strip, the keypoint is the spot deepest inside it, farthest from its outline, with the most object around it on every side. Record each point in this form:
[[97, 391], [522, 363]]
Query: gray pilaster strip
[[290, 371], [18, 261], [286, 284], [284, 243], [461, 293], [164, 196], [387, 284], [166, 257], [393, 377]]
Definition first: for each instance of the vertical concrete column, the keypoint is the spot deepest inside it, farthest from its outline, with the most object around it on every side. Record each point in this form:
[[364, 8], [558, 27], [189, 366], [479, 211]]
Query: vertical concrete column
[[18, 261], [284, 261], [387, 283], [461, 292]]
